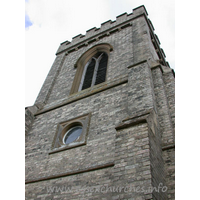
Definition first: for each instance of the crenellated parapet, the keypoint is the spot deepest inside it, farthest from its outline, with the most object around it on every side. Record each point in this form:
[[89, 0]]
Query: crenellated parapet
[[107, 28]]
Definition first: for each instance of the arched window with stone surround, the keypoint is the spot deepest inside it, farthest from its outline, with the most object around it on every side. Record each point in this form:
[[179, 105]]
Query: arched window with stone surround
[[91, 67], [94, 71]]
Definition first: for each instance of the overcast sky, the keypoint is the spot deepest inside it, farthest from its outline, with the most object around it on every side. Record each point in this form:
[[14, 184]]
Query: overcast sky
[[51, 22]]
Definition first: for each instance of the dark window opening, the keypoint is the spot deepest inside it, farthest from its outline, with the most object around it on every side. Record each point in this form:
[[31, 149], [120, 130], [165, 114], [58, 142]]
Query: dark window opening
[[94, 71], [89, 75]]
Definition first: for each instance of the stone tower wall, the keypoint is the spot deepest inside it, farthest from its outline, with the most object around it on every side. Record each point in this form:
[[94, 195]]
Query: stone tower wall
[[130, 138]]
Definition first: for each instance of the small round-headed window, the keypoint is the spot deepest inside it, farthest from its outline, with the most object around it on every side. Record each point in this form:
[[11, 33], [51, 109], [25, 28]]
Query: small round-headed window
[[72, 134]]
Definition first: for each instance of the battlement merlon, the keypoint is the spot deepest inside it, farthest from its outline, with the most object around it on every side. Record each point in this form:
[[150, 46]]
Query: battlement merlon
[[105, 27]]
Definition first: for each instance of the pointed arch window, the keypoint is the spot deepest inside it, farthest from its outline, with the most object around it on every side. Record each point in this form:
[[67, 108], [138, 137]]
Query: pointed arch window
[[91, 67], [94, 71]]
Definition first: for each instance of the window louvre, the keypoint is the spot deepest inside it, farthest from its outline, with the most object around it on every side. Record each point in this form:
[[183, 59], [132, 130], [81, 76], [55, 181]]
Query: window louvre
[[89, 75], [95, 71], [101, 73]]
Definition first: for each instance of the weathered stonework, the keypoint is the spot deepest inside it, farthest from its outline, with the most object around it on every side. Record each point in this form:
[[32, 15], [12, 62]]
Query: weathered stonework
[[130, 133]]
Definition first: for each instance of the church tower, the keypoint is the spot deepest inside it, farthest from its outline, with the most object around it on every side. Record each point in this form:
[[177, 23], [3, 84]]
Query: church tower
[[102, 126]]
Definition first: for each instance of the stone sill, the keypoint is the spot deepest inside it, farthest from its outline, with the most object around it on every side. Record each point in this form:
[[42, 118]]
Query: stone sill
[[87, 92], [73, 145], [169, 146]]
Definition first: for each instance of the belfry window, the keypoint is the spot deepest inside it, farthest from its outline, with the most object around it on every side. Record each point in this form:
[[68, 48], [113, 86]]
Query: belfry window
[[94, 71], [91, 67]]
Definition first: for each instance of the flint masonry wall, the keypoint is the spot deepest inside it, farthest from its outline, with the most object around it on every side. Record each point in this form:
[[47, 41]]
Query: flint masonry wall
[[131, 119]]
